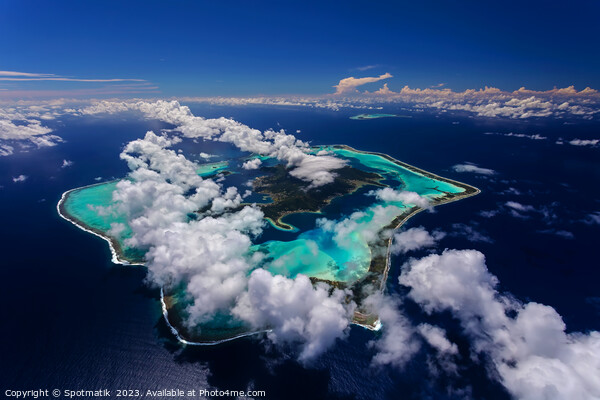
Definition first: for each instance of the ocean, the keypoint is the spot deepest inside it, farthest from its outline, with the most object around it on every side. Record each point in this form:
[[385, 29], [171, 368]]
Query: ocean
[[73, 320]]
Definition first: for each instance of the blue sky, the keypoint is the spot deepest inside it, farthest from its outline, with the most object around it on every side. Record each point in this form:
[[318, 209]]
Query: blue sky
[[192, 48]]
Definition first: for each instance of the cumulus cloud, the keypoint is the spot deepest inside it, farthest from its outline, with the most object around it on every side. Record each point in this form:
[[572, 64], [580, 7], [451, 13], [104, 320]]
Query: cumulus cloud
[[369, 229], [473, 168], [385, 90], [362, 226], [436, 338], [210, 255], [349, 85], [255, 163], [398, 343], [584, 142], [495, 103], [485, 103], [23, 74], [405, 197], [317, 170], [207, 255], [45, 140], [20, 178], [414, 239], [296, 311], [21, 127], [66, 163], [527, 344], [11, 131]]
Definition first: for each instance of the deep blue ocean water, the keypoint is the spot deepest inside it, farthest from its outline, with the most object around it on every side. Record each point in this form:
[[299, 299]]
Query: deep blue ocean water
[[74, 320]]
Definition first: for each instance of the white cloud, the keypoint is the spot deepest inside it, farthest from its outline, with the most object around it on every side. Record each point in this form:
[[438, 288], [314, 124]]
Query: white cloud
[[20, 127], [316, 170], [255, 163], [398, 343], [206, 255], [531, 352], [365, 228], [436, 337], [486, 103], [405, 197], [520, 207], [385, 90], [349, 85], [11, 131], [473, 168], [448, 281], [20, 178], [447, 352], [414, 239], [66, 163], [116, 229], [492, 102], [6, 150], [584, 142], [210, 255], [23, 74], [45, 140], [296, 310], [368, 230]]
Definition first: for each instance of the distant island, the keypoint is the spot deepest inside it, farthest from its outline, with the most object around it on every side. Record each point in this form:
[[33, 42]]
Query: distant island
[[352, 190], [375, 116]]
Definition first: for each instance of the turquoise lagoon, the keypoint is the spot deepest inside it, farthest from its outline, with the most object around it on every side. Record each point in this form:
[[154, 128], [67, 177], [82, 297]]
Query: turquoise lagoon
[[315, 251], [209, 169], [317, 254]]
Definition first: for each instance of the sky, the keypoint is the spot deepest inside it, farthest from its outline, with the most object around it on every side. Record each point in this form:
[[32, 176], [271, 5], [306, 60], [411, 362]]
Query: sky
[[228, 48]]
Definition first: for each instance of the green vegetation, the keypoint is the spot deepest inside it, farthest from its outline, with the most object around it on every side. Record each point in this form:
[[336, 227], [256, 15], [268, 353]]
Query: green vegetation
[[291, 195]]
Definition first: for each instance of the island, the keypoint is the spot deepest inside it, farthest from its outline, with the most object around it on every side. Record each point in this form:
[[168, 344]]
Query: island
[[376, 116], [358, 264]]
